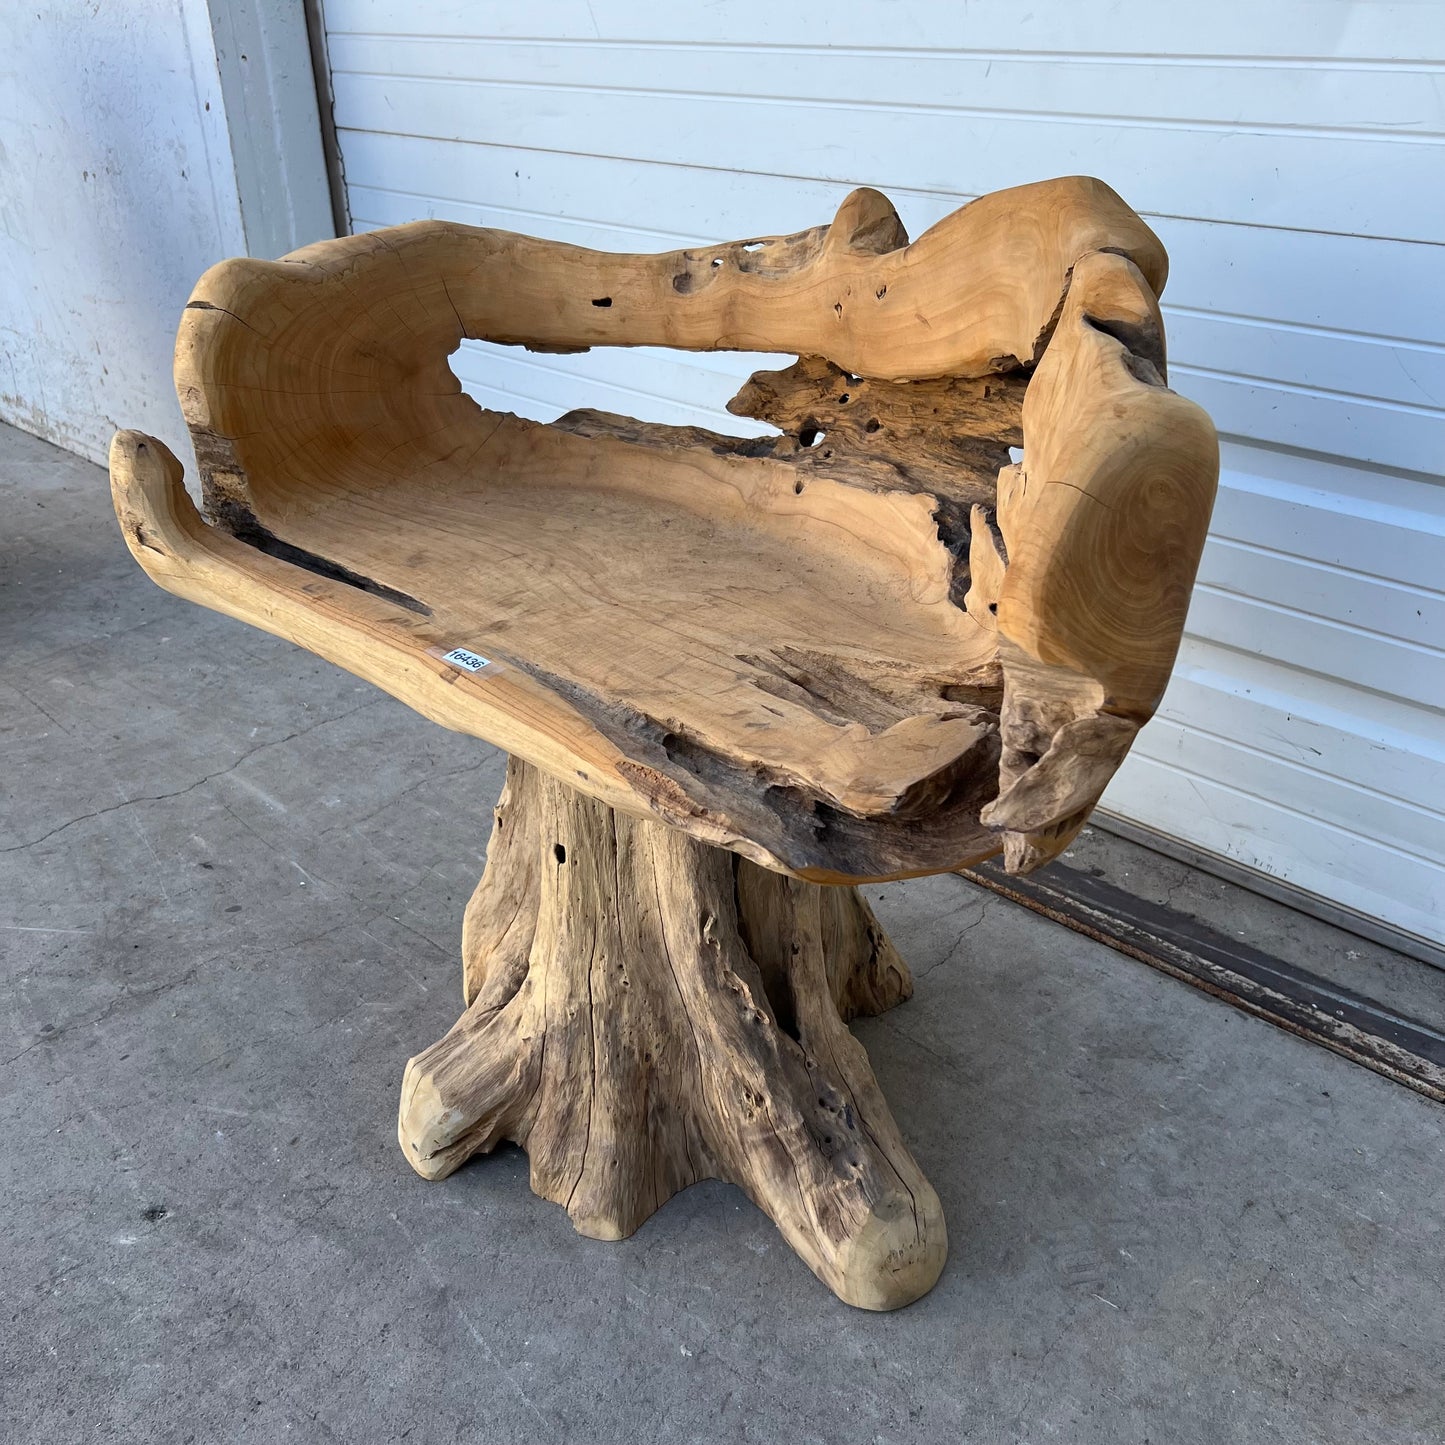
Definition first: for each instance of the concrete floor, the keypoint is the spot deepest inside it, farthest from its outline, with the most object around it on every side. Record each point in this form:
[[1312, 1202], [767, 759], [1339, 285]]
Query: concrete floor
[[231, 883]]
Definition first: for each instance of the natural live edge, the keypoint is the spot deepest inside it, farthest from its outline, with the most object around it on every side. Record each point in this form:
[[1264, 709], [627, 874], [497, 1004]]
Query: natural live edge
[[1071, 571], [1104, 522], [371, 639], [867, 648], [395, 651], [851, 291]]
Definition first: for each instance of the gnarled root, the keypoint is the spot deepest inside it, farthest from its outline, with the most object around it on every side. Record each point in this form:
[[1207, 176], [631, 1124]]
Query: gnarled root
[[647, 1011]]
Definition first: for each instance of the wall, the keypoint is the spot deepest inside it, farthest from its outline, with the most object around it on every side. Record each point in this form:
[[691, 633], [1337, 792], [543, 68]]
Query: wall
[[139, 144]]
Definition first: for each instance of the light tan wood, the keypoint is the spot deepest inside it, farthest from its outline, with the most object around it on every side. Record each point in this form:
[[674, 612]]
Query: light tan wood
[[692, 627], [868, 647], [647, 1011], [1103, 522]]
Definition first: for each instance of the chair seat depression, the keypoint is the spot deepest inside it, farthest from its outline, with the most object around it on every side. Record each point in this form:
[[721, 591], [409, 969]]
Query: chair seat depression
[[865, 647]]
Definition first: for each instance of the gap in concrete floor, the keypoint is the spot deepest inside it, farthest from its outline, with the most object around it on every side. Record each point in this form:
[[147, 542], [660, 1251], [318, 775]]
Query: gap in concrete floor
[[231, 883]]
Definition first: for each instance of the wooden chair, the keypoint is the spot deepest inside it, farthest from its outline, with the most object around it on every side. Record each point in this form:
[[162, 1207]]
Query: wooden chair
[[734, 677]]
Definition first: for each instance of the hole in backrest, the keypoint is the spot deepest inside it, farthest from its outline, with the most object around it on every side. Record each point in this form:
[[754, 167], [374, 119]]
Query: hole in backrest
[[646, 383]]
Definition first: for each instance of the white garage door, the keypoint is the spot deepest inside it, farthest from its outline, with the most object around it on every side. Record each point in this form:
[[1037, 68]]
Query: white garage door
[[1290, 155]]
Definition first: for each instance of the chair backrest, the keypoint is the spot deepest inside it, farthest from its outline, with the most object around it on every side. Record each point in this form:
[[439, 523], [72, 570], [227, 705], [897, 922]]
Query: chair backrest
[[312, 375]]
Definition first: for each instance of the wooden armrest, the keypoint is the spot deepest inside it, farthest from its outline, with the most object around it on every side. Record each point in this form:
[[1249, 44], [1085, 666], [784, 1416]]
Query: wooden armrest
[[1104, 521], [379, 641]]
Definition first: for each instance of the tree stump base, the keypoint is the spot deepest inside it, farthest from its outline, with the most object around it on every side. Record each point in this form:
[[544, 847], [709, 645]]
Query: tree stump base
[[646, 1011]]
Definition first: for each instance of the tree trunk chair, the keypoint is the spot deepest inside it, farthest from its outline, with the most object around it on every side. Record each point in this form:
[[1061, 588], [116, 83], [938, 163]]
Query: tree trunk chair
[[735, 677]]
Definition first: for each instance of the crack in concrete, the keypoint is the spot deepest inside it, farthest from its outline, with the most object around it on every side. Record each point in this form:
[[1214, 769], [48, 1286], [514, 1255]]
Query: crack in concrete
[[126, 995], [190, 787], [957, 945]]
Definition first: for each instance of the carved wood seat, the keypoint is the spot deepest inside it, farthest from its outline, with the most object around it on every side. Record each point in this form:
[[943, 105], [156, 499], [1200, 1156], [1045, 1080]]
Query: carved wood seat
[[867, 647]]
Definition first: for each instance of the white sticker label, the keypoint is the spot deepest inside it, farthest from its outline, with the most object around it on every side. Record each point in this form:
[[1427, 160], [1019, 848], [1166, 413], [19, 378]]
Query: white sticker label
[[467, 661]]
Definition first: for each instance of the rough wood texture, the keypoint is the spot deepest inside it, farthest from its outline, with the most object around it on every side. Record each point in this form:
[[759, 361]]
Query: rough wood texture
[[779, 646], [647, 1011], [868, 647]]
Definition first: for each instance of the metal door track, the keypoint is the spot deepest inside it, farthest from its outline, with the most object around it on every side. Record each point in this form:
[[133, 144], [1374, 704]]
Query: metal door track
[[1404, 1049]]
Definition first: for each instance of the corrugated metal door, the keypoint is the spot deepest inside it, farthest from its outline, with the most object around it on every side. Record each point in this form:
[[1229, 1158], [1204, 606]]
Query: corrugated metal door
[[1289, 155]]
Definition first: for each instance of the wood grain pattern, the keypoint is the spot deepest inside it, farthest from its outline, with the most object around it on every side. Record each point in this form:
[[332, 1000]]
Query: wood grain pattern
[[768, 642], [646, 1012], [1103, 522], [867, 647]]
